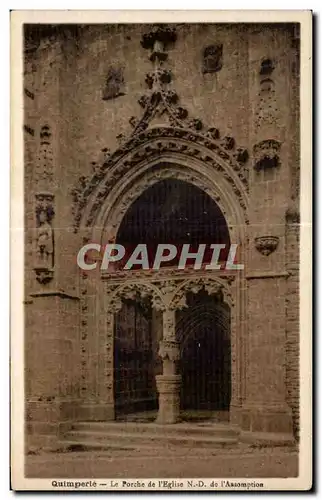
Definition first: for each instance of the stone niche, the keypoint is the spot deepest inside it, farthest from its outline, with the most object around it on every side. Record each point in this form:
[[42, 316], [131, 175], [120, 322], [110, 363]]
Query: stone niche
[[212, 58]]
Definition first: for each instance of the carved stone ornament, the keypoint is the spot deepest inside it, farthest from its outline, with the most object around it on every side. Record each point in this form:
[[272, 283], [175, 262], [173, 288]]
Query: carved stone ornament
[[44, 164], [266, 154], [211, 286], [266, 244], [169, 349], [181, 134], [44, 237], [267, 113], [133, 291], [114, 84], [157, 40], [212, 58]]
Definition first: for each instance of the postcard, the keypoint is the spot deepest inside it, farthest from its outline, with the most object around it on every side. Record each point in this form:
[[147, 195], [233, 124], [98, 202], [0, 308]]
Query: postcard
[[161, 240]]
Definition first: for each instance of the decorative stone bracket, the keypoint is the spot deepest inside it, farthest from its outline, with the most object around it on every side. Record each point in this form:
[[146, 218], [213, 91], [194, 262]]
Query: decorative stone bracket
[[266, 154], [266, 244]]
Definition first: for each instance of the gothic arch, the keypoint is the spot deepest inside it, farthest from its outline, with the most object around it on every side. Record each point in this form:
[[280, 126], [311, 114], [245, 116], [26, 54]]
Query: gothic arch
[[213, 286], [221, 314], [132, 290], [154, 155]]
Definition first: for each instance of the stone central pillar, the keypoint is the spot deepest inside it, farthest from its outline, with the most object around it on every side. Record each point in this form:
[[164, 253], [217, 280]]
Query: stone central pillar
[[169, 383]]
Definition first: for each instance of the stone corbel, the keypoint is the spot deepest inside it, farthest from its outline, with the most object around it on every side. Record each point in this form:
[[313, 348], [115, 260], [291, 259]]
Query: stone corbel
[[267, 154], [266, 244]]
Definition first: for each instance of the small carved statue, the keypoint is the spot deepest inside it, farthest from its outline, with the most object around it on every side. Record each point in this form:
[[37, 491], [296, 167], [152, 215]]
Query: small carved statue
[[44, 241], [212, 58], [114, 85]]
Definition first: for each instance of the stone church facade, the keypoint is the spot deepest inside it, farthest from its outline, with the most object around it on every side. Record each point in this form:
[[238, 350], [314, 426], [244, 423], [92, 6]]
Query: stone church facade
[[139, 133]]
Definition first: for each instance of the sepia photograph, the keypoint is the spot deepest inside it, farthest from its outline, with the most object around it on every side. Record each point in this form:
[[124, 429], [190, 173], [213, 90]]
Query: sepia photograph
[[161, 196]]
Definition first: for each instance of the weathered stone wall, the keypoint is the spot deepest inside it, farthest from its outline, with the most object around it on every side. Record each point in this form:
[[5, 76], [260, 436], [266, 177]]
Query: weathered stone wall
[[251, 97]]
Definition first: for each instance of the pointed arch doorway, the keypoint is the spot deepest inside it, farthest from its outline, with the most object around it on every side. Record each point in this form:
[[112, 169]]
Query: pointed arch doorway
[[203, 330], [176, 212]]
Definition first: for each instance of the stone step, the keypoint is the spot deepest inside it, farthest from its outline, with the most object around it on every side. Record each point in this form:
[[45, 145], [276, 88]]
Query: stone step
[[209, 429], [148, 449], [128, 440], [267, 439]]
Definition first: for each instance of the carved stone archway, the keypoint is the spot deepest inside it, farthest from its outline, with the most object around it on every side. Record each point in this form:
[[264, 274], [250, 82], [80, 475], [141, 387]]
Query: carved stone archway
[[158, 154], [167, 296], [165, 142], [204, 335]]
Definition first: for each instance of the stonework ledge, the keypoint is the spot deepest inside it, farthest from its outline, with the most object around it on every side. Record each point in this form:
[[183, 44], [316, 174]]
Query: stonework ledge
[[54, 293], [263, 275]]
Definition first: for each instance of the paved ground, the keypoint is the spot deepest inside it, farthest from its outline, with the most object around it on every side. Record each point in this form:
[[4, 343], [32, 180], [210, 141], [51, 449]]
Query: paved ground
[[165, 463]]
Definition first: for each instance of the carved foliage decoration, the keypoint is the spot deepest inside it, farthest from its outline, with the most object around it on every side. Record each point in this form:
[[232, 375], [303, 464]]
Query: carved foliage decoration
[[149, 146], [266, 244], [212, 58], [211, 286], [133, 291], [114, 84], [169, 349], [159, 99], [267, 154]]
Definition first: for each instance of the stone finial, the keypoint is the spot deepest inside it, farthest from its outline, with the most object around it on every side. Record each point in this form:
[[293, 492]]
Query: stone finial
[[157, 40]]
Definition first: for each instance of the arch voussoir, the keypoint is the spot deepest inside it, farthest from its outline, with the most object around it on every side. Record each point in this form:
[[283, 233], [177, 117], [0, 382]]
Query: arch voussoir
[[199, 155]]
